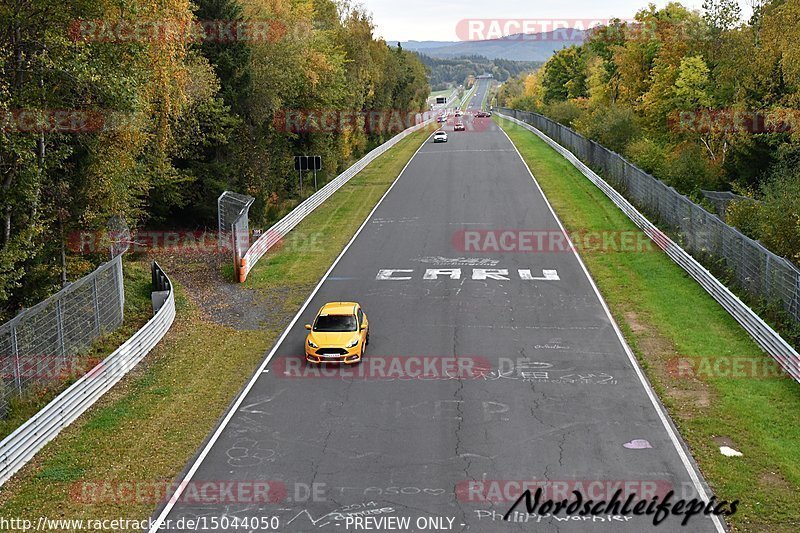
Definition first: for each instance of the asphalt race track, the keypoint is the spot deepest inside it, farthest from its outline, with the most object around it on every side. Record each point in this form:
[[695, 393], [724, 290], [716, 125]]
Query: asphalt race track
[[527, 378]]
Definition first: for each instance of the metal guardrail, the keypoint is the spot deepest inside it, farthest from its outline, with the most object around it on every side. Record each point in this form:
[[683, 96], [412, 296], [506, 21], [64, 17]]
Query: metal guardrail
[[766, 337], [274, 234], [467, 96], [19, 447], [452, 97]]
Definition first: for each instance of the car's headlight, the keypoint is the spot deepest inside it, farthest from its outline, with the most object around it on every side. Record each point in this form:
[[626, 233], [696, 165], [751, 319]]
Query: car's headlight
[[352, 343], [311, 344]]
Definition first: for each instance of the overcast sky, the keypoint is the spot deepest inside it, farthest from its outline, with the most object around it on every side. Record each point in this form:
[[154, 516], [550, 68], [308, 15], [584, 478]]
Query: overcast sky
[[435, 20]]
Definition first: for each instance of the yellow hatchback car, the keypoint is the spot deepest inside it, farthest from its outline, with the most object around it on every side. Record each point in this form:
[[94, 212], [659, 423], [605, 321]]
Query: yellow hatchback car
[[340, 334]]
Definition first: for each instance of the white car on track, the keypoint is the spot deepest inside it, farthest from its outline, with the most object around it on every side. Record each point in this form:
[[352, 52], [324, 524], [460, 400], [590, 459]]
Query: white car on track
[[440, 137]]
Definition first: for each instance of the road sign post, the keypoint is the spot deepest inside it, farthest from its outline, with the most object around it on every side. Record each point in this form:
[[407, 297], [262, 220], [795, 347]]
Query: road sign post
[[304, 163]]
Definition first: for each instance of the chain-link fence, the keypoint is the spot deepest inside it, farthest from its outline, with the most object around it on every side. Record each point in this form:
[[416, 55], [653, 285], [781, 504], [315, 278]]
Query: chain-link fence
[[757, 270], [234, 229], [43, 343], [230, 207]]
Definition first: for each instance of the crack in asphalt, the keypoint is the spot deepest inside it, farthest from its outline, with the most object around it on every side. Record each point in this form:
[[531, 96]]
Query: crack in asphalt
[[316, 465], [459, 397]]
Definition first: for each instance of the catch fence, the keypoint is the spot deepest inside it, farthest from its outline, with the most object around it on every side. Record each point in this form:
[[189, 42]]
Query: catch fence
[[757, 270], [45, 342]]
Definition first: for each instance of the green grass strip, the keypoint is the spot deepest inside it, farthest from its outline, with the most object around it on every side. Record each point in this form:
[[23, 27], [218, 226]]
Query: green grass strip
[[665, 314]]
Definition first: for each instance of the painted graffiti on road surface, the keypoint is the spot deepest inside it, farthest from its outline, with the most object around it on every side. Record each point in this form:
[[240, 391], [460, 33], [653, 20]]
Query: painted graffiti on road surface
[[543, 372], [478, 274]]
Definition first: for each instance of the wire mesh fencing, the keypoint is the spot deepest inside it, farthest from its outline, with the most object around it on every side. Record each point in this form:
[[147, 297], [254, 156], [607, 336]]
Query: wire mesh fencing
[[758, 271], [44, 343], [237, 233], [231, 206], [234, 226]]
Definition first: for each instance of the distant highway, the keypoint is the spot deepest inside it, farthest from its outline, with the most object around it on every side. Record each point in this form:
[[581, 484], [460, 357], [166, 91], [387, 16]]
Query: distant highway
[[543, 389]]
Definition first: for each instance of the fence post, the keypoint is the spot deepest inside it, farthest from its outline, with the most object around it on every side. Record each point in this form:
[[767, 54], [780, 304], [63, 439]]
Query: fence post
[[96, 306], [220, 233], [15, 352], [119, 279], [60, 331], [237, 258]]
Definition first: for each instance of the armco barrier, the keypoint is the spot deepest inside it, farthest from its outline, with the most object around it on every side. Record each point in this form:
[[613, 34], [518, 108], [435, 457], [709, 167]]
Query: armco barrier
[[274, 234], [763, 334], [467, 97], [19, 447], [452, 97]]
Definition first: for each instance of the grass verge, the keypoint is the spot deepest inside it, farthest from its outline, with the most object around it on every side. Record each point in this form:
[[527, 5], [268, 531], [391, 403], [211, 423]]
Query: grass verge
[[143, 432], [664, 314]]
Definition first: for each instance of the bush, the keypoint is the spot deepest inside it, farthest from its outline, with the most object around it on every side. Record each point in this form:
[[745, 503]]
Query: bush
[[775, 219], [744, 216], [524, 103], [612, 126], [688, 170], [565, 112], [779, 213], [647, 155]]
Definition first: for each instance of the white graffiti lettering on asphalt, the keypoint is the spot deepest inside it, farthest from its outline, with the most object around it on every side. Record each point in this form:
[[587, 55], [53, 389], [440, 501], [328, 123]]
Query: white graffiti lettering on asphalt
[[477, 274]]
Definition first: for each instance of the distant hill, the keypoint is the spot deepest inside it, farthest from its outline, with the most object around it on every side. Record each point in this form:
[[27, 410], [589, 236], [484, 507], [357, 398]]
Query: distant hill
[[443, 72], [416, 46], [534, 47]]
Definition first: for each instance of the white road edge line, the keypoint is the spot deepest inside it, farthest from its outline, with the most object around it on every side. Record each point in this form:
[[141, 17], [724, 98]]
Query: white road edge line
[[687, 463], [235, 407]]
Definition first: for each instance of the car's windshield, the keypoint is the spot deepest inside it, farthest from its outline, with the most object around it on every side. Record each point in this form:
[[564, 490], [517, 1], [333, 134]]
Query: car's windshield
[[335, 323]]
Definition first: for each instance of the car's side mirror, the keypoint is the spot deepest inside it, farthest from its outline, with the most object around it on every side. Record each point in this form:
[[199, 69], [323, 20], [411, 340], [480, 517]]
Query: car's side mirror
[[308, 326]]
